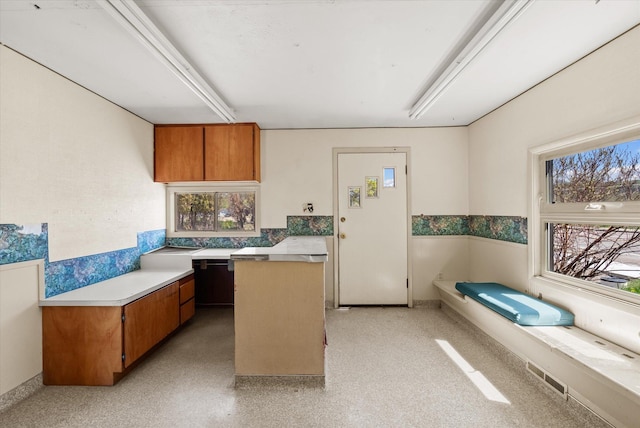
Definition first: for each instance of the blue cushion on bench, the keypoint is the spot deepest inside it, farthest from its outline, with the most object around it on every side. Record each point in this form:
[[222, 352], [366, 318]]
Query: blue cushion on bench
[[517, 306]]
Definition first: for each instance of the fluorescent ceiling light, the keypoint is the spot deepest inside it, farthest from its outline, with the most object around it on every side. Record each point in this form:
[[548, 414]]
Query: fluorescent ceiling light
[[505, 14], [133, 19]]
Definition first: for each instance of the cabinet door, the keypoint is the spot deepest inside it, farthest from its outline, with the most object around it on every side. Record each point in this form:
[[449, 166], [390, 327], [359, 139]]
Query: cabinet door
[[150, 319], [81, 345], [232, 152], [179, 154]]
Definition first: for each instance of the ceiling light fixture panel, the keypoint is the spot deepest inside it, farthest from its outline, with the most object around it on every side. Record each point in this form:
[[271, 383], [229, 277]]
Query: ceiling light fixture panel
[[508, 12], [134, 20]]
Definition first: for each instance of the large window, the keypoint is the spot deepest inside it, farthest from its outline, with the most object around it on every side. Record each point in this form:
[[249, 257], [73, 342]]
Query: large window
[[588, 216], [212, 211]]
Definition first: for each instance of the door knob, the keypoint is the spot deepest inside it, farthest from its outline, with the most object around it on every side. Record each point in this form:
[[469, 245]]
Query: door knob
[[342, 236]]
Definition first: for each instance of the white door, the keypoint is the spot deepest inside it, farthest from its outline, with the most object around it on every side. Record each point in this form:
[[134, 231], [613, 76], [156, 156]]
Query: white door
[[372, 229]]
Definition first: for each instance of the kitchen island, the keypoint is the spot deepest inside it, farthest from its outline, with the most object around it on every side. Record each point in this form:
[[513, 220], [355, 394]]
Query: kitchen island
[[279, 313]]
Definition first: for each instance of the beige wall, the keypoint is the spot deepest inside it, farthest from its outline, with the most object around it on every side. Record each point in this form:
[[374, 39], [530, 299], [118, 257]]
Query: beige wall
[[297, 167], [74, 160], [600, 89], [77, 162]]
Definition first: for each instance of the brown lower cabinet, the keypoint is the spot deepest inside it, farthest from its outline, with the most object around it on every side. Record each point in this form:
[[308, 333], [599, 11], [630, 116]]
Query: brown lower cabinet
[[96, 345]]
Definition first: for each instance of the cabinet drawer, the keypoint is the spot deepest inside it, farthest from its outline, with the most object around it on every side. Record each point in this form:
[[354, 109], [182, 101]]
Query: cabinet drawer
[[187, 310], [187, 289]]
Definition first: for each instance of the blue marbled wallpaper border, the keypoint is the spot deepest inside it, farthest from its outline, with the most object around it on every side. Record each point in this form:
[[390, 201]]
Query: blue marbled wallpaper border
[[30, 242], [151, 239], [296, 226], [67, 275], [501, 228], [23, 242], [20, 243], [311, 225], [267, 238], [439, 225]]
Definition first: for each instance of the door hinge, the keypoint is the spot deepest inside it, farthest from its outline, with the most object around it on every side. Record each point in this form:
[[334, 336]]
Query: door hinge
[[406, 170], [122, 357], [122, 317], [407, 282]]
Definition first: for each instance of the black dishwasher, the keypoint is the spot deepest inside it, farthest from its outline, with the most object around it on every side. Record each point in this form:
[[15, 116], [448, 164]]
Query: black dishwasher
[[214, 282]]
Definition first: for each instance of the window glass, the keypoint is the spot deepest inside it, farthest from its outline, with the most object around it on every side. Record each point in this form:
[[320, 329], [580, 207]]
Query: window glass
[[195, 211], [236, 211], [591, 217], [606, 174], [389, 177], [199, 212], [606, 255]]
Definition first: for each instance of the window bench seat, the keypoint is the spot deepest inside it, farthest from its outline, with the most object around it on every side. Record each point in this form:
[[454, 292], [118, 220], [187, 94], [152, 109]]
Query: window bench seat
[[515, 305], [599, 374]]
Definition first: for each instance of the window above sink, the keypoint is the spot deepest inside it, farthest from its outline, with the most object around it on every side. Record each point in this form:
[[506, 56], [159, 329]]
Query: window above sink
[[213, 210]]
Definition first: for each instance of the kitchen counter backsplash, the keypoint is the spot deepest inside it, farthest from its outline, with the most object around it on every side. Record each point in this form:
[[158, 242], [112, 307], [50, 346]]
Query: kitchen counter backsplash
[[267, 238], [19, 243], [296, 226]]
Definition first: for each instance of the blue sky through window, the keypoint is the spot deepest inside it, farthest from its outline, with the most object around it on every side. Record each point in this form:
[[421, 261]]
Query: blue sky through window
[[634, 146]]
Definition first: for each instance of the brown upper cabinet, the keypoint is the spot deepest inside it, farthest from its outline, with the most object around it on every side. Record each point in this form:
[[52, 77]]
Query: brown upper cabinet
[[207, 152], [179, 153]]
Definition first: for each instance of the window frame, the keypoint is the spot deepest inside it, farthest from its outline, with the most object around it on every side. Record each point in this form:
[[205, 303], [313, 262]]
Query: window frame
[[541, 211], [227, 187]]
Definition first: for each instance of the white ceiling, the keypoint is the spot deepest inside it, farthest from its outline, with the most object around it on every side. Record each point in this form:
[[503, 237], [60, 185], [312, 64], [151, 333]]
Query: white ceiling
[[312, 63]]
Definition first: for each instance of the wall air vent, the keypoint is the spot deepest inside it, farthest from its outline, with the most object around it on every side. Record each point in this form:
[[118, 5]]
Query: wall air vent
[[549, 380]]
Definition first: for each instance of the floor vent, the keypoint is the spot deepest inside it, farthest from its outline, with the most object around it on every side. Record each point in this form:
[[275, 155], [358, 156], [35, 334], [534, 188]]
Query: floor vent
[[550, 381]]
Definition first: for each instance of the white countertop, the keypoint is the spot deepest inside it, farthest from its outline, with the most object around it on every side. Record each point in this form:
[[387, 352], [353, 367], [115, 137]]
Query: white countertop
[[296, 248], [213, 253], [118, 291]]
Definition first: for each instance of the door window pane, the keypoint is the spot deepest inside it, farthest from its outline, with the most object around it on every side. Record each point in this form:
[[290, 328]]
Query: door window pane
[[389, 177]]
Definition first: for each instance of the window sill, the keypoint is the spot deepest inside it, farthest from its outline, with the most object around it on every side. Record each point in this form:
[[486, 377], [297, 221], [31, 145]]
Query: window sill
[[619, 299]]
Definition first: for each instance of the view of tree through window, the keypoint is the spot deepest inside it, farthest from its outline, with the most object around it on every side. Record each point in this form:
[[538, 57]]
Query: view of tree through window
[[606, 254], [215, 211]]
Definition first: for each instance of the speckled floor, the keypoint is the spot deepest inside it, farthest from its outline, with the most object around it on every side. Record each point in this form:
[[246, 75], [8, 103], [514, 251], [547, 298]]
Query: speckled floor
[[384, 369]]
